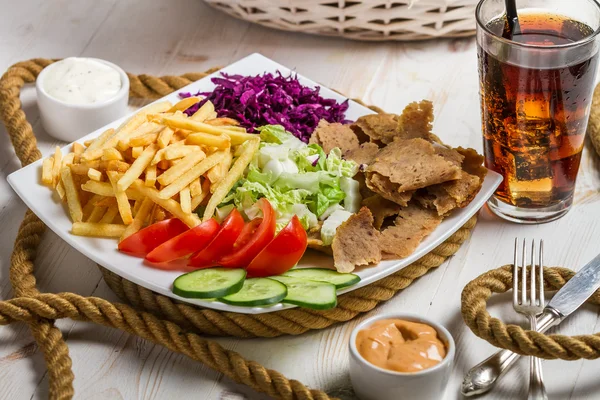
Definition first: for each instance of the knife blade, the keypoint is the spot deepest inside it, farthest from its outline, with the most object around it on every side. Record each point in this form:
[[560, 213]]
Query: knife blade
[[484, 376], [578, 289]]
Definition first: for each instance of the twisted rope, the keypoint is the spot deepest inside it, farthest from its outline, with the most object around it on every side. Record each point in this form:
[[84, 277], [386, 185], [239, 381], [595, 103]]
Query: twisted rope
[[48, 337], [171, 324], [515, 338], [594, 121]]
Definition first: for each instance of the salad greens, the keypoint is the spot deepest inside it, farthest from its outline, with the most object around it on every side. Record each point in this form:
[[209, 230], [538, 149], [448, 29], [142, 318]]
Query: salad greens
[[297, 179]]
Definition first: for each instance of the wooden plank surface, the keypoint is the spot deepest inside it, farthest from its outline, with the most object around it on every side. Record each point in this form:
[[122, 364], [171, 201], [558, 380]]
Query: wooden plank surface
[[176, 36]]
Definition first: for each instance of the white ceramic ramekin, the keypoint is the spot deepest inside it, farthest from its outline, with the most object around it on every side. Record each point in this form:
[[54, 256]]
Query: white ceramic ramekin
[[373, 383], [70, 122]]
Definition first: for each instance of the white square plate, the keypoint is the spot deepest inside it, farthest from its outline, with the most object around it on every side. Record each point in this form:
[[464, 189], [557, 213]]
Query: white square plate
[[26, 182]]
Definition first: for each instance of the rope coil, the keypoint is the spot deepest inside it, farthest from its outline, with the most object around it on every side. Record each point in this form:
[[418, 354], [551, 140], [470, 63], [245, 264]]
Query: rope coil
[[515, 338], [174, 325]]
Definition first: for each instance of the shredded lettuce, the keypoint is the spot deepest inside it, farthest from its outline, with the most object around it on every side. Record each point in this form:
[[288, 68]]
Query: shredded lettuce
[[331, 224], [297, 179], [222, 212], [352, 197]]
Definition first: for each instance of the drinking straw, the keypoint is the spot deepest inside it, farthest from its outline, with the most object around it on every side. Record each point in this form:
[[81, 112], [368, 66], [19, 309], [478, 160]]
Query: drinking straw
[[512, 27]]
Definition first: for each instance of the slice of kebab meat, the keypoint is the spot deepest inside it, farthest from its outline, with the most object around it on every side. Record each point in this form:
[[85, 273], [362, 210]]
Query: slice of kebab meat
[[356, 242]]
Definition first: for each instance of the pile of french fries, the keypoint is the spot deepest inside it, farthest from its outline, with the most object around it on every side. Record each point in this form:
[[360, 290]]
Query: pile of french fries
[[159, 164]]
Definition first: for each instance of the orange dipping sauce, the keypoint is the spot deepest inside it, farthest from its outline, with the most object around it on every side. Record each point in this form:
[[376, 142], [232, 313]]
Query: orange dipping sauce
[[401, 346]]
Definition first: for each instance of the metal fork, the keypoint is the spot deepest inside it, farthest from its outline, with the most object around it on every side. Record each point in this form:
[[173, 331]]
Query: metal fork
[[530, 307]]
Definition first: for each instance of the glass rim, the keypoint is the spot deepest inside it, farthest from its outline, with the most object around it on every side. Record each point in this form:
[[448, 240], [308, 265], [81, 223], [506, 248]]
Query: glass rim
[[580, 42]]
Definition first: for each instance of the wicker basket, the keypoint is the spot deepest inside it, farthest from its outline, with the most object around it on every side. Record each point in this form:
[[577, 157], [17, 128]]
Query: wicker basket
[[360, 19]]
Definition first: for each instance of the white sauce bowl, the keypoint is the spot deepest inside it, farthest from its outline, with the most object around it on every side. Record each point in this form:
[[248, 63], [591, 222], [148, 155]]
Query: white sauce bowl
[[373, 383], [70, 122]]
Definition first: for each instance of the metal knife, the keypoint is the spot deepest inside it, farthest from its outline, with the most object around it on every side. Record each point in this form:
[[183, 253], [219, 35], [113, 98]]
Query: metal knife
[[482, 377]]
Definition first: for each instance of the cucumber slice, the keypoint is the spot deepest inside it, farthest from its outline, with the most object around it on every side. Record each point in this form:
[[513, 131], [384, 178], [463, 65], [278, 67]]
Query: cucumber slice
[[257, 292], [209, 283], [340, 280], [308, 294]]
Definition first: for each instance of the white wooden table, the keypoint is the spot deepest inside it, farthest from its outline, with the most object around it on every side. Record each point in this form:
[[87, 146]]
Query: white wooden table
[[176, 36]]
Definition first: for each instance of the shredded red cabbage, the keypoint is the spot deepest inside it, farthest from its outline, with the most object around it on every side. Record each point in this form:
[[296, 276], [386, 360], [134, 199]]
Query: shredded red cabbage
[[271, 99]]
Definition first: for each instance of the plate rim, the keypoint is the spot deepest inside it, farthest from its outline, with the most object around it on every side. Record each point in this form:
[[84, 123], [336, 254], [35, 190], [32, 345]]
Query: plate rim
[[493, 179]]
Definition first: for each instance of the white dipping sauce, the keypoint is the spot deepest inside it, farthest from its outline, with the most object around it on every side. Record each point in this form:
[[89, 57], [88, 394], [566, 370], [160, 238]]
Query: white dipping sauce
[[82, 81]]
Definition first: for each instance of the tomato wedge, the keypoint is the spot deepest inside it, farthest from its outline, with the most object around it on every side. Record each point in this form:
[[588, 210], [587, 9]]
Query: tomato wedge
[[144, 241], [221, 244], [186, 243], [255, 236], [282, 253]]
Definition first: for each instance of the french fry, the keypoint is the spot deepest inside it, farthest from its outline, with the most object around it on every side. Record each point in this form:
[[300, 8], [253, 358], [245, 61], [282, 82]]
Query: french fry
[[106, 202], [60, 190], [144, 129], [195, 187], [57, 165], [170, 205], [199, 198], [164, 137], [116, 165], [144, 140], [180, 151], [203, 112], [141, 216], [219, 171], [84, 196], [236, 129], [235, 173], [207, 139], [128, 128], [67, 160], [110, 215], [184, 104], [136, 151], [73, 203], [99, 141], [163, 164], [105, 189], [96, 214], [99, 188], [97, 229], [88, 142], [94, 174], [159, 156], [136, 206], [178, 136], [158, 214], [121, 196], [89, 206], [110, 154], [47, 167], [113, 165], [150, 176], [123, 145], [196, 126], [185, 200], [82, 169], [176, 171], [78, 148], [184, 180], [222, 122], [137, 168]]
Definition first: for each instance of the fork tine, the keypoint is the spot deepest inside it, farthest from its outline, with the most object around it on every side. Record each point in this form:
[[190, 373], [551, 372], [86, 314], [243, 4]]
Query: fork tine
[[524, 274], [515, 274], [532, 276], [541, 265]]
